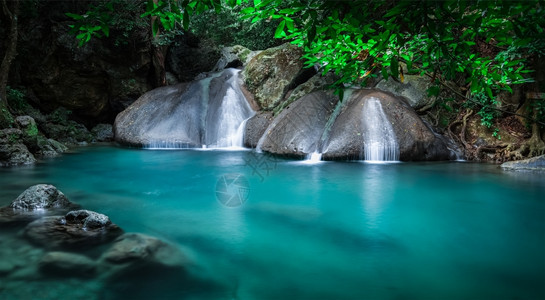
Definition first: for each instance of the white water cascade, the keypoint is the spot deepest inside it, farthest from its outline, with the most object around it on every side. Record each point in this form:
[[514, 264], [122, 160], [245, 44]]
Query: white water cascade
[[380, 142], [211, 113], [226, 120]]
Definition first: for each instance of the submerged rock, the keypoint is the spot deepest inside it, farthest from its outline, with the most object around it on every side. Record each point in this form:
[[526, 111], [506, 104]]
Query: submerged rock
[[77, 229], [135, 252], [67, 264], [532, 164]]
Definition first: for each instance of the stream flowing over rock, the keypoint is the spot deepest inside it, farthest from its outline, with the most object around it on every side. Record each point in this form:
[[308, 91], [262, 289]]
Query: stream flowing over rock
[[207, 113], [344, 130]]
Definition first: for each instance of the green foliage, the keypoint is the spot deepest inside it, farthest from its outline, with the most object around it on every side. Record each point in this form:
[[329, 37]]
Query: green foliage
[[227, 28], [105, 16], [60, 116], [16, 99], [487, 111], [93, 23], [6, 118]]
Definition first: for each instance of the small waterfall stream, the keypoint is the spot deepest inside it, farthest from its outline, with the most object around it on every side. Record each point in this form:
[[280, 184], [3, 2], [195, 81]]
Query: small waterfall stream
[[212, 114], [380, 142]]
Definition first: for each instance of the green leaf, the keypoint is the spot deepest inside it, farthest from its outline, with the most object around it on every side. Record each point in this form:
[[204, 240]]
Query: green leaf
[[280, 29], [186, 20], [105, 29], [394, 67], [74, 16]]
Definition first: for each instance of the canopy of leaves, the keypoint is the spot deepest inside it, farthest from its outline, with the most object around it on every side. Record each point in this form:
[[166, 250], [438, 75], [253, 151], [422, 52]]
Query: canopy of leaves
[[484, 43]]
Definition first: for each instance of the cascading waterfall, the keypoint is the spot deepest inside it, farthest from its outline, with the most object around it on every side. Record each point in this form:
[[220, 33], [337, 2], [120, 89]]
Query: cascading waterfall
[[380, 142], [212, 114], [226, 120]]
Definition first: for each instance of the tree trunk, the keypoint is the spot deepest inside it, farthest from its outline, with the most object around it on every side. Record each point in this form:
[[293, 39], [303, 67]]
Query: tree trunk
[[11, 51], [158, 56]]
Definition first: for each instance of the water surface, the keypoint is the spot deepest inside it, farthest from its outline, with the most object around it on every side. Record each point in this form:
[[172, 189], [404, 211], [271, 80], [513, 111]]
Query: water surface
[[332, 230]]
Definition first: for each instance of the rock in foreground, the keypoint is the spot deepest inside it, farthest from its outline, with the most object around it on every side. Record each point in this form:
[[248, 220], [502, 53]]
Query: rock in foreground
[[77, 229], [35, 202]]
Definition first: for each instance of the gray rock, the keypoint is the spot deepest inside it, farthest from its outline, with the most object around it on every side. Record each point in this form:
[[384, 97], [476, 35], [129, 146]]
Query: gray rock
[[177, 117], [67, 264], [79, 229], [531, 164], [272, 73], [414, 88], [41, 196], [88, 219], [234, 57], [298, 130], [415, 140], [255, 128], [316, 83], [16, 154], [103, 132]]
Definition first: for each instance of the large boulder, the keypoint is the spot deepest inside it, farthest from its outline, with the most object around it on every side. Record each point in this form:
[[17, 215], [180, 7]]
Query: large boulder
[[414, 88], [532, 164], [255, 128], [205, 112], [77, 229], [272, 73], [298, 130], [415, 140]]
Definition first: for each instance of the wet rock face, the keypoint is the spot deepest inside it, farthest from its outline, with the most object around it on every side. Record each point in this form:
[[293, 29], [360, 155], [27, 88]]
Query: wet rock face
[[272, 73], [77, 229], [317, 122], [298, 130], [415, 140], [255, 128], [204, 112]]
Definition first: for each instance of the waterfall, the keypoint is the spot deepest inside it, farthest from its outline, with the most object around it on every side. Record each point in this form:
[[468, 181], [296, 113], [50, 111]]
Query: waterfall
[[226, 118], [210, 113], [379, 139]]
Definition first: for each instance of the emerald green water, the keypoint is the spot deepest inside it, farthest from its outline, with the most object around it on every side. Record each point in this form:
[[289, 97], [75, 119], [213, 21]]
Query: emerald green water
[[333, 230]]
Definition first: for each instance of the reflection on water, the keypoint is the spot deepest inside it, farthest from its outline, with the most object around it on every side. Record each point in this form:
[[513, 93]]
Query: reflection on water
[[333, 230]]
